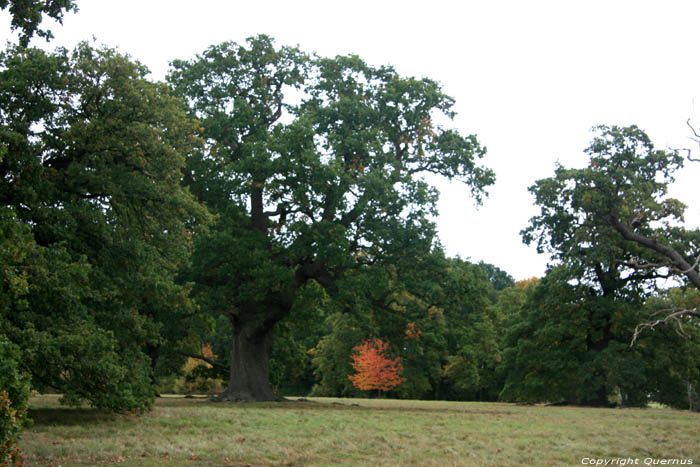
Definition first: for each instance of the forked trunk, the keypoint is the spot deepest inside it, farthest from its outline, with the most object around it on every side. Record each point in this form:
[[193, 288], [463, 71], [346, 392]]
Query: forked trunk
[[250, 366]]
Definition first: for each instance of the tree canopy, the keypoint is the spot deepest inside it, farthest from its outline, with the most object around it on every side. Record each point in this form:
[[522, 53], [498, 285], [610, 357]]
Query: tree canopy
[[95, 220], [27, 15], [313, 165], [267, 209], [617, 207], [615, 233]]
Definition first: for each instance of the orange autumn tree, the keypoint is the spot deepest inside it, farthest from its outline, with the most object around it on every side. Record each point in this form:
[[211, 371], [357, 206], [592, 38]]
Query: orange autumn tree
[[374, 369]]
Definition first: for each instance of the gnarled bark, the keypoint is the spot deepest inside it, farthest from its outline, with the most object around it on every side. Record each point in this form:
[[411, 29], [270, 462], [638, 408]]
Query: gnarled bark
[[250, 370]]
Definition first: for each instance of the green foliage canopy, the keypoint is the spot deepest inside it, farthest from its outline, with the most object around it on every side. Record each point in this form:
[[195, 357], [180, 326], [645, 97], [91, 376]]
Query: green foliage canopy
[[313, 165], [91, 164], [616, 210], [591, 221], [27, 15], [14, 397], [567, 344]]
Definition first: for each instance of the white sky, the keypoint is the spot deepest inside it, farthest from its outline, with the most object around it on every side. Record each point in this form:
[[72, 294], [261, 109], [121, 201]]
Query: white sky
[[530, 78]]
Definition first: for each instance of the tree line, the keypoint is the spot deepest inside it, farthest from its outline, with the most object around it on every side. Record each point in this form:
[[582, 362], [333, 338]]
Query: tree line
[[270, 204]]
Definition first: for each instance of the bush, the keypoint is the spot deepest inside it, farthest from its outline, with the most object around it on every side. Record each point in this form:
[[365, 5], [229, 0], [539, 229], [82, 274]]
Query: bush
[[14, 396], [196, 377]]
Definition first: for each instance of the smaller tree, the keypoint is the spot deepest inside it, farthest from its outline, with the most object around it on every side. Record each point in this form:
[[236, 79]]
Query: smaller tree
[[374, 369]]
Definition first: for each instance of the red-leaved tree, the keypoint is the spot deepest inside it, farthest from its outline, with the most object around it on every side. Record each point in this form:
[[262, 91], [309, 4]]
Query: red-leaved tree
[[374, 369]]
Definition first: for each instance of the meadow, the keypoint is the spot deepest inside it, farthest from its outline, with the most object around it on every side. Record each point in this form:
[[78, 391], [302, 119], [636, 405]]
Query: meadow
[[325, 431]]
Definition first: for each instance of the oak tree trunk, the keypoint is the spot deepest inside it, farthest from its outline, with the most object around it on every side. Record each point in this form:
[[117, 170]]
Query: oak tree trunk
[[250, 364]]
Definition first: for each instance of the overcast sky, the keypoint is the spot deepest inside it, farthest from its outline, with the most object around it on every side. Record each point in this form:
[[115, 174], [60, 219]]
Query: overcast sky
[[530, 78]]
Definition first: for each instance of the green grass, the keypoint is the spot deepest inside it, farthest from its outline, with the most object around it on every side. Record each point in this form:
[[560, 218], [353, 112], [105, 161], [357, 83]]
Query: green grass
[[354, 432]]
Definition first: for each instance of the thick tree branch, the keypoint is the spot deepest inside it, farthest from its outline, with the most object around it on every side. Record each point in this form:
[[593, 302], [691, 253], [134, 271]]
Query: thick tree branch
[[676, 259], [278, 104], [257, 215], [281, 209], [316, 271], [637, 265], [273, 315], [357, 210]]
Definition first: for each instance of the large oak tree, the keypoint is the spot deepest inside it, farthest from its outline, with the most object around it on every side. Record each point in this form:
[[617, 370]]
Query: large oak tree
[[313, 166], [618, 208], [615, 232]]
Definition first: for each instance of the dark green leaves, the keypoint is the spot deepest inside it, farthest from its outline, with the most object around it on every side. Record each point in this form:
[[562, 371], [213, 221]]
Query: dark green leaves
[[314, 166], [28, 14], [626, 181], [92, 168], [320, 158]]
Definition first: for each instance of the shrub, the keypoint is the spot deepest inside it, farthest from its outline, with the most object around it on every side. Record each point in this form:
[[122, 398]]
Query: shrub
[[14, 396]]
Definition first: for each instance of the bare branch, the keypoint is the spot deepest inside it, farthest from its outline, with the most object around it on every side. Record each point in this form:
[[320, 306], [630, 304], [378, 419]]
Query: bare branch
[[695, 264], [636, 265], [696, 138], [280, 210], [695, 133], [675, 315], [676, 259]]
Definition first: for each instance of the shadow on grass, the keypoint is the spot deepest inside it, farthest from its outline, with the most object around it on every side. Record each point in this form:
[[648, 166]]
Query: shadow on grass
[[70, 417], [349, 404]]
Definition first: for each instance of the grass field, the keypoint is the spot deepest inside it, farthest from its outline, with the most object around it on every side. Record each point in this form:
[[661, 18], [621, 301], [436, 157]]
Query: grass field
[[357, 432]]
